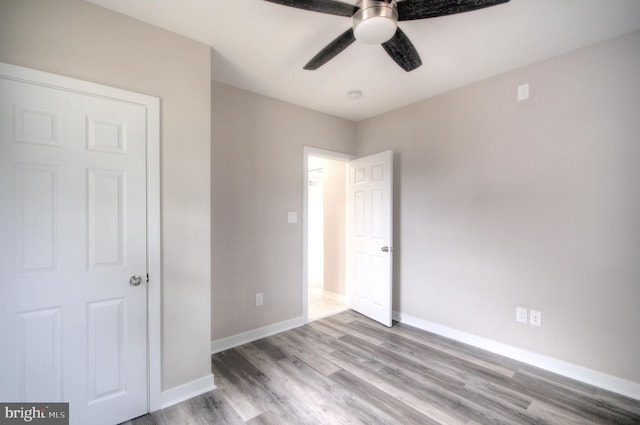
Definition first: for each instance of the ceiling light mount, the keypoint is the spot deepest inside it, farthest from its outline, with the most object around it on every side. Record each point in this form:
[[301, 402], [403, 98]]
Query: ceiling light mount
[[376, 21], [354, 94]]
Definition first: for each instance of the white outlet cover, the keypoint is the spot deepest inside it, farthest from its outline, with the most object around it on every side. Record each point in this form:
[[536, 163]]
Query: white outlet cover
[[535, 318]]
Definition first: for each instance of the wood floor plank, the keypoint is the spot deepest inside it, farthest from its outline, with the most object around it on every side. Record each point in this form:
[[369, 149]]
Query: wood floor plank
[[244, 386], [271, 418], [495, 390], [414, 394], [625, 406], [319, 341], [454, 348], [302, 399], [338, 405], [347, 328], [327, 328], [204, 409], [414, 370], [454, 367], [212, 407], [272, 349], [554, 415], [494, 404], [575, 402], [310, 348], [347, 369], [395, 338], [378, 402]]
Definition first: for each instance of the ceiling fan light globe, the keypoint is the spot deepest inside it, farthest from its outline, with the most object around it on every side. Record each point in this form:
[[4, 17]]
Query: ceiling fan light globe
[[376, 21], [375, 30]]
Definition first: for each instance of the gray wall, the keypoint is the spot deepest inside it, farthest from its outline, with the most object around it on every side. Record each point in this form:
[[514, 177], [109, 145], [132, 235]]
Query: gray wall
[[257, 177], [81, 40], [535, 204]]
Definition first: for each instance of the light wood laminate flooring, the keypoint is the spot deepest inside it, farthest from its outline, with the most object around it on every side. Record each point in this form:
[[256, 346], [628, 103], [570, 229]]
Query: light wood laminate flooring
[[325, 305], [347, 369]]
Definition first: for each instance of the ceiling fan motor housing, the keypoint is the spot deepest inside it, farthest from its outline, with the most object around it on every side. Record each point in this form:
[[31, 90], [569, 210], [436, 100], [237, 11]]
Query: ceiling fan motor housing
[[375, 22]]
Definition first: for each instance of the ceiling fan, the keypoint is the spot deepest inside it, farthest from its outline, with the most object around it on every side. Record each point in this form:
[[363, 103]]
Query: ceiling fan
[[376, 22]]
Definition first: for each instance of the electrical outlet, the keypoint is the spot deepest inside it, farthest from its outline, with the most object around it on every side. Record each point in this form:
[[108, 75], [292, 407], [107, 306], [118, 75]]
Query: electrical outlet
[[535, 318], [521, 315], [259, 299]]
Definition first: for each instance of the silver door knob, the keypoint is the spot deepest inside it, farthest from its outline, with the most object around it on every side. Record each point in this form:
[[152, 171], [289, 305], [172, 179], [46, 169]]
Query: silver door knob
[[135, 280], [386, 249]]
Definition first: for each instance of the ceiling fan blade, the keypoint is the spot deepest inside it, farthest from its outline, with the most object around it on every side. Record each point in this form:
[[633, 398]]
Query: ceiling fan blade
[[331, 7], [402, 51], [421, 9], [343, 41]]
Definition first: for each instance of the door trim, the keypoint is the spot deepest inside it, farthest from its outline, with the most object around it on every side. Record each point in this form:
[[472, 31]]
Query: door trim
[[152, 107], [310, 151]]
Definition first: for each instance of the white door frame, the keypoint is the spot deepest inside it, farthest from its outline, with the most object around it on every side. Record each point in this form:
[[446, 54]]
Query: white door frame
[[337, 156], [152, 105]]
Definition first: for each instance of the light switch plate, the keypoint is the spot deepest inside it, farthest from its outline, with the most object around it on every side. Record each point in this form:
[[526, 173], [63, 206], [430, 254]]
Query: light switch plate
[[521, 315], [523, 92], [292, 217]]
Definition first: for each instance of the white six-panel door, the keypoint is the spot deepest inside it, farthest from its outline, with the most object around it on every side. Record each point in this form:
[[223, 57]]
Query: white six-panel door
[[371, 235], [73, 231]]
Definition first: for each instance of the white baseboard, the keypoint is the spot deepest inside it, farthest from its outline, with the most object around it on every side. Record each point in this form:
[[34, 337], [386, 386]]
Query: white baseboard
[[253, 335], [579, 373], [186, 391]]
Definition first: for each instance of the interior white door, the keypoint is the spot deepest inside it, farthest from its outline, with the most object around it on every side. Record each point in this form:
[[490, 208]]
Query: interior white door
[[73, 232], [371, 235]]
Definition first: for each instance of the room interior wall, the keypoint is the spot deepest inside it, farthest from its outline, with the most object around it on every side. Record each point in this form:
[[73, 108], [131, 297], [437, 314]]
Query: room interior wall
[[257, 179], [501, 203], [335, 226], [81, 40]]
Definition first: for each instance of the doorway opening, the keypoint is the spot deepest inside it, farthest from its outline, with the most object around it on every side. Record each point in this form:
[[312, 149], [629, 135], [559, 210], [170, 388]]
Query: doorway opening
[[326, 289]]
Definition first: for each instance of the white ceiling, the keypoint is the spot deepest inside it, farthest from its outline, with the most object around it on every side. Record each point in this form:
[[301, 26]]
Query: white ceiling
[[262, 47]]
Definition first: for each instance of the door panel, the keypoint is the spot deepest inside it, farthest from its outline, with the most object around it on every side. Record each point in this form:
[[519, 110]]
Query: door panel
[[73, 229], [106, 350], [39, 346], [105, 215], [37, 242], [371, 218]]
